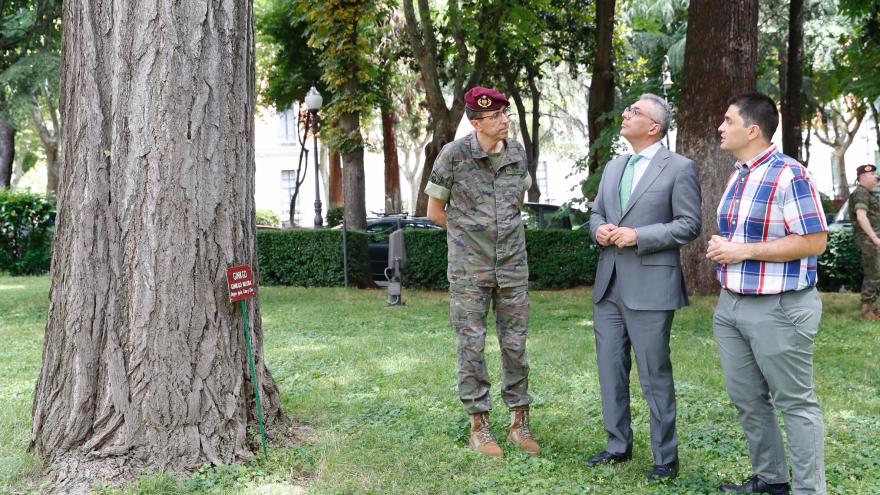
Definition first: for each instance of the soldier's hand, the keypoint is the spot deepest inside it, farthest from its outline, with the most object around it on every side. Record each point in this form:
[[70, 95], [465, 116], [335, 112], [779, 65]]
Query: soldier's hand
[[603, 234], [877, 241]]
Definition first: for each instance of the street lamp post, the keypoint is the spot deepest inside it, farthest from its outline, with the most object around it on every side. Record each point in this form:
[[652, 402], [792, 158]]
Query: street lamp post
[[313, 103], [666, 78]]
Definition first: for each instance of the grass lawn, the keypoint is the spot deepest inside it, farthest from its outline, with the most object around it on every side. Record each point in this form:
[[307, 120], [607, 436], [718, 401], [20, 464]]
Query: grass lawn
[[378, 385]]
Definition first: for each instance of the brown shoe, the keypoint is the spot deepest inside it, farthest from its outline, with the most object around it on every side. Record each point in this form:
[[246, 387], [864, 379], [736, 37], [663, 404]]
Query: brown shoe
[[520, 432], [482, 440], [869, 311]]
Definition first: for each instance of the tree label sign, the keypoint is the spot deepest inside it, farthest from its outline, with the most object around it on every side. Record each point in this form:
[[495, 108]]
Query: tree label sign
[[241, 283]]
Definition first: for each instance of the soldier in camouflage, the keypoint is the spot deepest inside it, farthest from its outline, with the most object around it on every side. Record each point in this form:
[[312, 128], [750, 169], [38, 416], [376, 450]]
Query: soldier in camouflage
[[864, 211], [476, 192]]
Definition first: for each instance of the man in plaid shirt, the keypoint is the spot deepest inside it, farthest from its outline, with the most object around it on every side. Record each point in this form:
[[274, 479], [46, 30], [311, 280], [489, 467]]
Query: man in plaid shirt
[[772, 229]]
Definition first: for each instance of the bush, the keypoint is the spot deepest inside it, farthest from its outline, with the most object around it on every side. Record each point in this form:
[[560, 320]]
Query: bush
[[840, 266], [557, 259], [311, 258], [268, 218], [27, 222], [334, 216]]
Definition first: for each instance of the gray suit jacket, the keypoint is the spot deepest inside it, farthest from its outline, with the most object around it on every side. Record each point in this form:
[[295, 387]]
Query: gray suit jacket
[[664, 209]]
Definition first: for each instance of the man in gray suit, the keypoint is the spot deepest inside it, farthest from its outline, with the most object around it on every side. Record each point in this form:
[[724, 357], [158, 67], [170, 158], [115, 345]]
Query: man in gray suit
[[647, 208]]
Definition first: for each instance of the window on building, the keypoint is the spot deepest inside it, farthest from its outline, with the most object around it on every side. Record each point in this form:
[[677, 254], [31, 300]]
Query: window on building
[[287, 121]]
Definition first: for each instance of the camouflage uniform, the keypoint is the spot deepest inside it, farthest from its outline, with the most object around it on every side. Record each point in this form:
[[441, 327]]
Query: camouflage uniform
[[862, 198], [487, 263]]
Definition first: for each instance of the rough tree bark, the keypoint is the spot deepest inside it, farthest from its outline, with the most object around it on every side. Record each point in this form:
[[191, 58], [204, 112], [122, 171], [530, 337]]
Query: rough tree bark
[[7, 152], [392, 168], [792, 102], [602, 84], [144, 361], [721, 52], [422, 38]]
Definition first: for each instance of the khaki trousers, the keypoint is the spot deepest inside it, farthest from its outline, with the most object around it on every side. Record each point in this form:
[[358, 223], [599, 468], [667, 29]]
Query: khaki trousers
[[766, 347]]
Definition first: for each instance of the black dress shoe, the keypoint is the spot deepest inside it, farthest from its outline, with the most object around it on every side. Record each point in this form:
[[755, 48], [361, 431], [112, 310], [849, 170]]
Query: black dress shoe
[[757, 485], [606, 457], [664, 471]]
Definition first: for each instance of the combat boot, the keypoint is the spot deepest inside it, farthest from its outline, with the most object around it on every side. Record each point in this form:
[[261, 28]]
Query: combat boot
[[520, 432], [869, 311], [481, 439]]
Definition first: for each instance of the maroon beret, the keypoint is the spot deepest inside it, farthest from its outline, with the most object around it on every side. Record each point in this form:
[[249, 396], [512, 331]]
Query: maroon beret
[[485, 100], [863, 169]]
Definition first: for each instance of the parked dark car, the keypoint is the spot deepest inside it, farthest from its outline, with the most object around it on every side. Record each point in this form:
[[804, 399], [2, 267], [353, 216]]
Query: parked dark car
[[378, 230]]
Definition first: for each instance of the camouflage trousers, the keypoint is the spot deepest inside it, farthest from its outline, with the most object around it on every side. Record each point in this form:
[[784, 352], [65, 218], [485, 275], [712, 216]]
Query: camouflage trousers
[[870, 269], [469, 306]]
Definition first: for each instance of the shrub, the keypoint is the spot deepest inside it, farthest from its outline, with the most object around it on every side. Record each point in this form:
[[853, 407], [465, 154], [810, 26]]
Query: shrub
[[560, 259], [311, 258], [557, 259], [27, 223], [840, 266], [268, 218], [334, 216]]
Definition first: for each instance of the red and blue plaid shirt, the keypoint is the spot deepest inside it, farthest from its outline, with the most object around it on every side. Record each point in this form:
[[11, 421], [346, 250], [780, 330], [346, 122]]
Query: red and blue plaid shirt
[[768, 198]]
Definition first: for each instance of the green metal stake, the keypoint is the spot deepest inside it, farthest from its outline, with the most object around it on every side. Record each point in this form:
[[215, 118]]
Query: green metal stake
[[247, 334]]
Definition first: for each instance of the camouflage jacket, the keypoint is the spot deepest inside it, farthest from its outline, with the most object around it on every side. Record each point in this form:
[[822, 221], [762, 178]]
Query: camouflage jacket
[[862, 199], [485, 238]]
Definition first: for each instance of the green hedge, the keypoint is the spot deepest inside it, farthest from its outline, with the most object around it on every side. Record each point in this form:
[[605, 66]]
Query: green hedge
[[557, 259], [840, 267], [311, 258], [27, 223]]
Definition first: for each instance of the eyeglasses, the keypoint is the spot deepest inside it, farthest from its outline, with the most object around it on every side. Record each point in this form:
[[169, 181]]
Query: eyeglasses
[[636, 112], [497, 115]]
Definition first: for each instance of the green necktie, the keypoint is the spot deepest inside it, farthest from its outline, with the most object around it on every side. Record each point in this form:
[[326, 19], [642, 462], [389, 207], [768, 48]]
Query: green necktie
[[626, 182]]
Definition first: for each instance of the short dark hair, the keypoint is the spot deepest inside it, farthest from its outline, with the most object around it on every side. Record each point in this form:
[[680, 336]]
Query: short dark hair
[[757, 109], [473, 114]]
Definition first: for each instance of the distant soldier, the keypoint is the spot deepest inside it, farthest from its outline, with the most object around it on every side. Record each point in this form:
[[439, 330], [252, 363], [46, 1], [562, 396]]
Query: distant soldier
[[476, 192], [864, 210]]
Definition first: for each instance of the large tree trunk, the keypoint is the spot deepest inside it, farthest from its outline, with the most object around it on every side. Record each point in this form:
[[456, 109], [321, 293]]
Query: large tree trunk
[[792, 106], [602, 84], [392, 168], [721, 53], [7, 152], [145, 364]]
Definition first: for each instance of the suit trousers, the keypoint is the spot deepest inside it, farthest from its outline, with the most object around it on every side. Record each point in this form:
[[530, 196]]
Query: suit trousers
[[766, 347], [469, 306], [618, 329]]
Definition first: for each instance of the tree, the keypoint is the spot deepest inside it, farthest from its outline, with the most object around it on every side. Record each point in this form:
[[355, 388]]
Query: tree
[[389, 53], [721, 53], [29, 27], [145, 365], [345, 30], [289, 67], [479, 20], [792, 101], [602, 86], [535, 38], [836, 126]]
